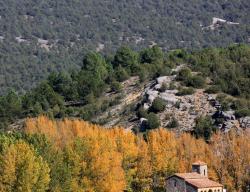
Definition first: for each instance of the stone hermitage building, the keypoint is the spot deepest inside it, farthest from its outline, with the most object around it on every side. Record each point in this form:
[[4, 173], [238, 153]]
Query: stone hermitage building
[[196, 181]]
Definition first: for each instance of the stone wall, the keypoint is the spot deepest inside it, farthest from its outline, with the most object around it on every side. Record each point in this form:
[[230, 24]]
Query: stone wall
[[190, 188], [180, 184]]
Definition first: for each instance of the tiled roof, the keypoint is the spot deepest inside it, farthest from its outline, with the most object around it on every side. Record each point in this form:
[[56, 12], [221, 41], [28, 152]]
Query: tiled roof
[[197, 180], [199, 163], [203, 183]]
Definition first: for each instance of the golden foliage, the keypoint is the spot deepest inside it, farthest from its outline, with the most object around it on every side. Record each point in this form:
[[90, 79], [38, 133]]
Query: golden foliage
[[21, 170], [111, 160]]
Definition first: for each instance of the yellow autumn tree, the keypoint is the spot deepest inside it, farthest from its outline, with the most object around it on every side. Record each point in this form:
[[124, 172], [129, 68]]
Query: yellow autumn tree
[[231, 158], [143, 177], [114, 159], [126, 144], [162, 150], [101, 152], [95, 165], [21, 170], [190, 150]]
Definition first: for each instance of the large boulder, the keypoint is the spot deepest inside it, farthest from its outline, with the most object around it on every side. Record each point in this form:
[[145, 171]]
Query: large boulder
[[169, 98], [229, 115], [226, 115], [228, 125], [157, 86], [146, 106], [163, 79], [245, 122], [151, 95], [174, 91]]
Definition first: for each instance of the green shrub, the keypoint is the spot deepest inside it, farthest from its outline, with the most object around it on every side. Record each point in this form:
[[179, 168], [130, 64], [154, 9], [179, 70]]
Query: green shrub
[[142, 113], [158, 105], [185, 91], [213, 89], [121, 74], [153, 121], [163, 71], [242, 113], [173, 123], [115, 86], [163, 87], [172, 86], [196, 81], [184, 74], [204, 127]]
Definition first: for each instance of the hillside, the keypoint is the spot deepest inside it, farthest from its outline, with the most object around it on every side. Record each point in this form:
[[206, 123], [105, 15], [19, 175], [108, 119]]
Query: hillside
[[38, 37], [202, 92]]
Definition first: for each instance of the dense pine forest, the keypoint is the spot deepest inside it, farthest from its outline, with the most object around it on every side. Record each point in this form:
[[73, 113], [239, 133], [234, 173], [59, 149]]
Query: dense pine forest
[[39, 37], [73, 155]]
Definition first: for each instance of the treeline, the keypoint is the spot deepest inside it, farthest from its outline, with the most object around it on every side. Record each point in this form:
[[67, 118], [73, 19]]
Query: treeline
[[224, 71], [58, 95], [73, 155], [229, 72], [71, 28]]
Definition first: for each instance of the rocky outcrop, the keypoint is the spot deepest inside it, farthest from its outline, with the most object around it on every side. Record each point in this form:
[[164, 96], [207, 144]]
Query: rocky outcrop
[[229, 124], [183, 108], [245, 122]]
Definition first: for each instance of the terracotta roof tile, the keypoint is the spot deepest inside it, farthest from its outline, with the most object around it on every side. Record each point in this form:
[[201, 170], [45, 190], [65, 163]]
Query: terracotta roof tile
[[203, 183], [197, 180]]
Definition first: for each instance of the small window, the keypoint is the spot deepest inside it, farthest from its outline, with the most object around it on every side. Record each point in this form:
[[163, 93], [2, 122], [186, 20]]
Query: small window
[[175, 183], [204, 172]]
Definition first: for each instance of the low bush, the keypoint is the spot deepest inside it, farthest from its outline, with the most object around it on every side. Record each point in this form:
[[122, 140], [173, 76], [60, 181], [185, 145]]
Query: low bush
[[242, 113], [158, 105], [153, 121], [185, 91]]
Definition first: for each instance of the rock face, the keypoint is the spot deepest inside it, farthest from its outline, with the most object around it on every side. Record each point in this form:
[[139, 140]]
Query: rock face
[[183, 108], [226, 115], [229, 115], [151, 95], [227, 125], [171, 99], [165, 79], [245, 122]]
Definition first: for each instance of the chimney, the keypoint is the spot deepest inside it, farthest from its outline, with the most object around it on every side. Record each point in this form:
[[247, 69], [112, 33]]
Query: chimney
[[200, 168]]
